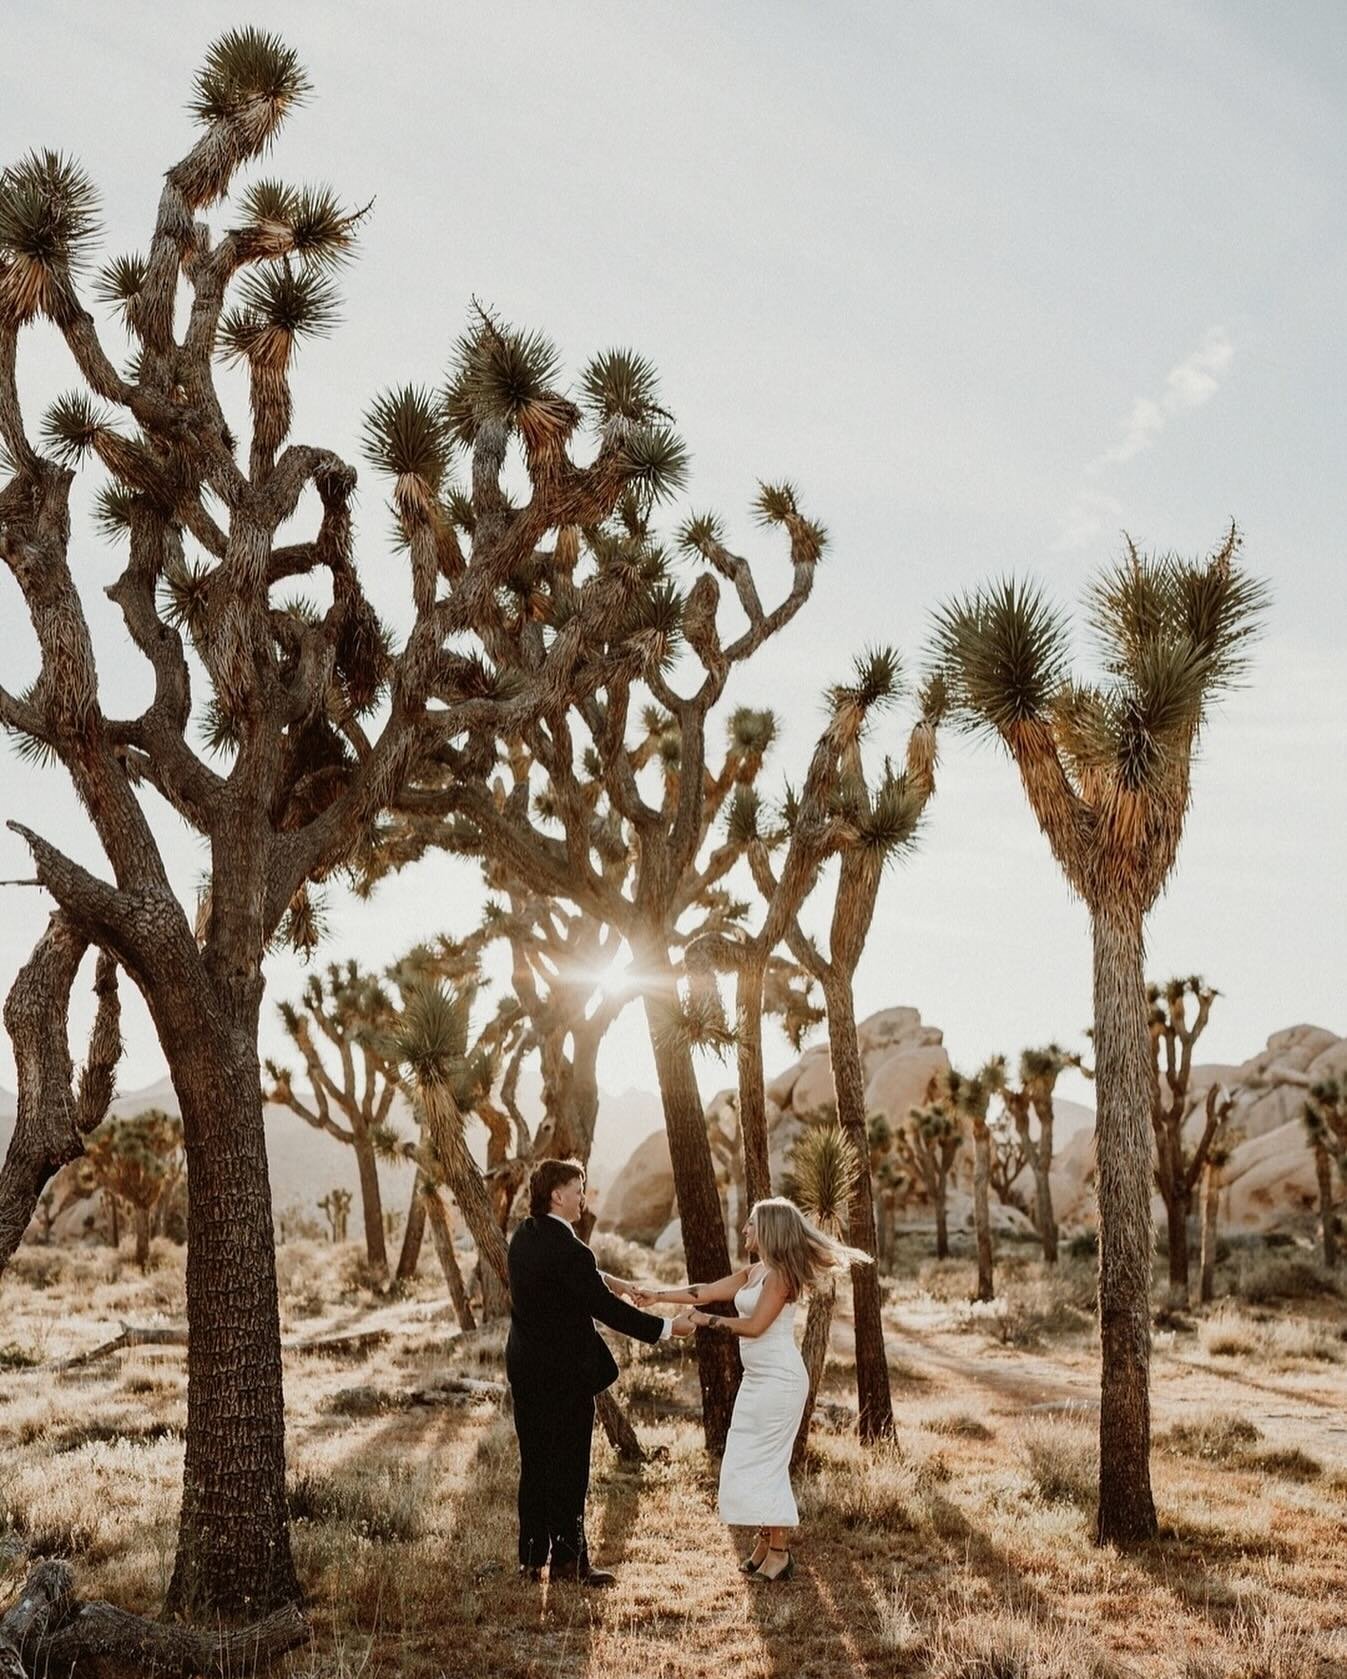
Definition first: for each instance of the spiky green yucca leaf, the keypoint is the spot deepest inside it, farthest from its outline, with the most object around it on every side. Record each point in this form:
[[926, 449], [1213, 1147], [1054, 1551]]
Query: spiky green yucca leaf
[[655, 458], [31, 749], [751, 730], [742, 818], [775, 503], [268, 201], [120, 280], [621, 385], [221, 733], [1004, 653], [656, 630], [112, 511], [1222, 610], [186, 591], [48, 219], [247, 68], [279, 298], [700, 534], [876, 682], [826, 1173], [497, 372], [431, 1039], [1160, 708], [405, 436], [71, 425], [893, 818]]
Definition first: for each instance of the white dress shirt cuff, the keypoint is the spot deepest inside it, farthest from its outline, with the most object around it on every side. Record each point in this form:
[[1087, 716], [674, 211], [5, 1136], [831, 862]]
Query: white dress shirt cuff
[[667, 1330]]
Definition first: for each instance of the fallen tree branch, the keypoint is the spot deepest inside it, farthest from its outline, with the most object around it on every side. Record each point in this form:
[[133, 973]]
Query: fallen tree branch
[[48, 1631], [167, 1335]]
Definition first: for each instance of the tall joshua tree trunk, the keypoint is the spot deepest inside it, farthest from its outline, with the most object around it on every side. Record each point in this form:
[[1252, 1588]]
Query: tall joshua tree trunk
[[982, 1149], [409, 1257], [704, 1241], [1122, 1052], [233, 1538], [1042, 1168], [872, 1368], [371, 1202], [752, 1083], [434, 1211]]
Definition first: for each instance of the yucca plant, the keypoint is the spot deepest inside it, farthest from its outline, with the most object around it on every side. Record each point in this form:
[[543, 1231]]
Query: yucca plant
[[825, 1167], [1106, 766]]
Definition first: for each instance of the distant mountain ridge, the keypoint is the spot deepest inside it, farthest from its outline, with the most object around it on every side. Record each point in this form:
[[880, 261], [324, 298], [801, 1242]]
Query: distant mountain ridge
[[305, 1164]]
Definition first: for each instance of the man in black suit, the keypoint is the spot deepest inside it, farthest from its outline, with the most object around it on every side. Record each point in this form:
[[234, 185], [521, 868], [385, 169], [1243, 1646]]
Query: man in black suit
[[557, 1361]]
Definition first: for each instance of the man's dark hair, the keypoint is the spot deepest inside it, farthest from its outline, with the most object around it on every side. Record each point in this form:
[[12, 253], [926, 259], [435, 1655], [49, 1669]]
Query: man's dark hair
[[547, 1176]]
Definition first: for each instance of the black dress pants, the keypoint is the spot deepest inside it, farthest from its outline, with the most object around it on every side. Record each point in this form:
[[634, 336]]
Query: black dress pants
[[555, 1429]]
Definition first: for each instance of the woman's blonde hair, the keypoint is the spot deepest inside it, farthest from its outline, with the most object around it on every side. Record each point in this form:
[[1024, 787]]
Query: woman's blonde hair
[[798, 1251]]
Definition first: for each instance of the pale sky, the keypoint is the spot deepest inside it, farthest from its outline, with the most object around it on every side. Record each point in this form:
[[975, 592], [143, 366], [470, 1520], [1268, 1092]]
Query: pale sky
[[990, 282]]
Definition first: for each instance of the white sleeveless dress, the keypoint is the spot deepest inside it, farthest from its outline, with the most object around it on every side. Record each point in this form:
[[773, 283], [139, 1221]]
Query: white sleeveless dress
[[755, 1488]]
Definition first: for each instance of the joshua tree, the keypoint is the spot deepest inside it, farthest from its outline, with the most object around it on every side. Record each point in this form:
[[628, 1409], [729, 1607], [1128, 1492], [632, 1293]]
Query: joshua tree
[[1218, 1154], [868, 825], [1106, 769], [336, 1208], [339, 1008], [1032, 1099], [634, 856], [290, 682], [1178, 1169], [825, 1168], [137, 1161], [1008, 1161], [968, 1095], [1325, 1117], [929, 1145]]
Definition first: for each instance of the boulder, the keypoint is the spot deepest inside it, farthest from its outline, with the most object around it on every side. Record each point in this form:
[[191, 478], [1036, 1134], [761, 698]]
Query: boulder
[[670, 1239], [1269, 1181], [900, 1081], [639, 1202], [1005, 1221]]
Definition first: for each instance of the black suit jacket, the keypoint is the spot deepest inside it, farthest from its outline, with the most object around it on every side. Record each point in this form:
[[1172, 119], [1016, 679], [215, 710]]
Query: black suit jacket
[[556, 1292]]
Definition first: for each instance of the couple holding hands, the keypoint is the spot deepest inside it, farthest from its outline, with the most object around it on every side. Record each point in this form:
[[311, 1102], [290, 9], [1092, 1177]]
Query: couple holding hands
[[557, 1362]]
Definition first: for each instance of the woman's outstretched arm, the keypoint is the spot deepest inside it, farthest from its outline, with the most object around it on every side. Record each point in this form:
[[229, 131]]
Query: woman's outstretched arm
[[696, 1294], [763, 1316]]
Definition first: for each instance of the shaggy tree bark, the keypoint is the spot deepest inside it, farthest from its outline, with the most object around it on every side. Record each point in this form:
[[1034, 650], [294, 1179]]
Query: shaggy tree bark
[[53, 1117], [1178, 1168], [1123, 1186], [434, 1209], [982, 1148]]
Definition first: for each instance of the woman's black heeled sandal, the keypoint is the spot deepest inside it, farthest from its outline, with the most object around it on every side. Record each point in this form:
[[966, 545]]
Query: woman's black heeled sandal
[[748, 1566], [773, 1579]]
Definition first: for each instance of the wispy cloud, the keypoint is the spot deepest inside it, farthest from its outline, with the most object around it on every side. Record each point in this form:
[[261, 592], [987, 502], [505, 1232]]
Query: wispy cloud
[[1189, 384]]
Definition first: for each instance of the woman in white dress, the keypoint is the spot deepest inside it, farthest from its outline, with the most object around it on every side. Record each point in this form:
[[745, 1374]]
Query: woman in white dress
[[788, 1255]]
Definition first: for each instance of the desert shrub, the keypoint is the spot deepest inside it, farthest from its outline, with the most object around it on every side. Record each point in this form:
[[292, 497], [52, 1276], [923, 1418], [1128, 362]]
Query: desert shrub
[[113, 1433], [1218, 1436], [897, 1629], [1286, 1277], [1288, 1463], [1083, 1245], [40, 1268], [385, 1506], [960, 1425], [862, 1486], [15, 1357], [362, 1401], [1042, 1308], [1228, 1336], [1062, 1460]]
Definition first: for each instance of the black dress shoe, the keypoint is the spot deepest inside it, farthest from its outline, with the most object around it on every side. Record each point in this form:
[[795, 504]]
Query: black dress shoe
[[583, 1576]]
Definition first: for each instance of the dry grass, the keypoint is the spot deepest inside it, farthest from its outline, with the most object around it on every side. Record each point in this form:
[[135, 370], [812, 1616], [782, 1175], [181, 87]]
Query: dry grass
[[962, 1552]]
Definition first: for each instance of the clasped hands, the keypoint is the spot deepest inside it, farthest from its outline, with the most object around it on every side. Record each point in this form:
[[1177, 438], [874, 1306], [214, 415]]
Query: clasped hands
[[684, 1324]]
